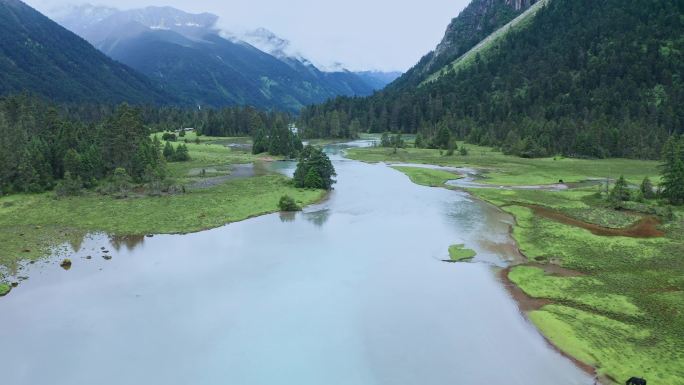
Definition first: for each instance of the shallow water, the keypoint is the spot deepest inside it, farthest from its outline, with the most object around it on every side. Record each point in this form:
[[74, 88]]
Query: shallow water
[[352, 291]]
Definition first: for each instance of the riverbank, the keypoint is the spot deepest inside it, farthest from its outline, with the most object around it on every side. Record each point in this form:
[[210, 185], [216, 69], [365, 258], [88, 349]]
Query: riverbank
[[621, 313], [31, 225]]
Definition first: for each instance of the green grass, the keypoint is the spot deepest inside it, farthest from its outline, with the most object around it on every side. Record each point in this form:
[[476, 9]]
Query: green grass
[[458, 253], [510, 170], [4, 289], [623, 312], [32, 224], [427, 177], [631, 281], [617, 349], [578, 291]]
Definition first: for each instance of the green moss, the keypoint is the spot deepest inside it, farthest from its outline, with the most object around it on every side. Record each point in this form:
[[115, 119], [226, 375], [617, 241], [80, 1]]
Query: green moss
[[619, 350], [427, 177], [578, 291], [4, 289], [459, 253]]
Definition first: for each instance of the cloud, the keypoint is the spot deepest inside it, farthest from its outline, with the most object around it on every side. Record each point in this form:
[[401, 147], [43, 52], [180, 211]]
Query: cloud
[[361, 34]]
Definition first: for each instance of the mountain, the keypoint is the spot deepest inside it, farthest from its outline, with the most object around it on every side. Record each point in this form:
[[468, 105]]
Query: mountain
[[189, 57], [477, 21], [573, 77], [39, 56], [269, 42], [378, 79]]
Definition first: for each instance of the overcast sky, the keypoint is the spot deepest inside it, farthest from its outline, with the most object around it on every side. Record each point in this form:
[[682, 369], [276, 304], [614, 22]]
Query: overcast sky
[[361, 34]]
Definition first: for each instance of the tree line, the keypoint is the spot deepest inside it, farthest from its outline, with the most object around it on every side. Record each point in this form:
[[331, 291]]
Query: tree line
[[39, 147], [583, 78]]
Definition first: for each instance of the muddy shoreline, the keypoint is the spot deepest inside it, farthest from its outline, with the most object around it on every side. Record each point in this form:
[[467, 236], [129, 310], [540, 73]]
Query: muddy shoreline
[[527, 304], [647, 227]]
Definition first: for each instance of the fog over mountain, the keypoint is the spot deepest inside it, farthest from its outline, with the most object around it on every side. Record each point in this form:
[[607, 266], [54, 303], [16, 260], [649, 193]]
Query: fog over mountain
[[189, 55], [378, 35]]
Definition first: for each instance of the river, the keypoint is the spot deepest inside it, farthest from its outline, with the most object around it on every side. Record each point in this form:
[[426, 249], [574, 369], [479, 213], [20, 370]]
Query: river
[[351, 291]]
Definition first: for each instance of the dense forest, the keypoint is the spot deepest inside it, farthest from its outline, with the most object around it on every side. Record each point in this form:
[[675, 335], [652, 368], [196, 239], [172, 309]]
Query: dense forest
[[44, 146], [581, 78]]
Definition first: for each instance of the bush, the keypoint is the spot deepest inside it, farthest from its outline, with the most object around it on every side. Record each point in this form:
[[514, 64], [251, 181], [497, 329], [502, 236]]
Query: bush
[[119, 184], [69, 186], [169, 152], [287, 203], [169, 137]]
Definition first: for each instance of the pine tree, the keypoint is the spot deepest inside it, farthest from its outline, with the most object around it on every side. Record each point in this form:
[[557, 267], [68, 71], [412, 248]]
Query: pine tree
[[73, 163], [620, 192], [314, 170], [182, 153], [419, 141], [673, 170], [673, 183], [646, 189], [169, 152]]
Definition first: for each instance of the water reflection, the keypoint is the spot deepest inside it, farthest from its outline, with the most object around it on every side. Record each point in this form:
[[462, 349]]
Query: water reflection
[[128, 241], [318, 218], [287, 216]]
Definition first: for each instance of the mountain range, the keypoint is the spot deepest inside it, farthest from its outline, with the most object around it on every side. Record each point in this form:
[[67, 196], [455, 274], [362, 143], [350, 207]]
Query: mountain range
[[188, 56], [160, 55]]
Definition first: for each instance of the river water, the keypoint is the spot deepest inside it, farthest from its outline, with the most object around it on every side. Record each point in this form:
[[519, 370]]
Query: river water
[[351, 291]]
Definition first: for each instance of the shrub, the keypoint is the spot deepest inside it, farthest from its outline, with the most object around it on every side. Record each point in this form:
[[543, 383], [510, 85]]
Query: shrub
[[287, 203], [169, 137], [69, 186]]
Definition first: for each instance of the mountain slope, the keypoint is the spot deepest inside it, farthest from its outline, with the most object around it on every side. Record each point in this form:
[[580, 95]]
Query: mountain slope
[[39, 56], [188, 56], [476, 22], [579, 77]]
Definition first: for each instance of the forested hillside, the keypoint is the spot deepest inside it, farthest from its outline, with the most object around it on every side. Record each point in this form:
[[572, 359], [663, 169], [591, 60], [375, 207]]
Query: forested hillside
[[39, 56], [581, 78]]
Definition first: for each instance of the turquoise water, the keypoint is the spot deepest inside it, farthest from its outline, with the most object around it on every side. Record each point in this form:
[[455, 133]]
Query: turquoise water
[[352, 291]]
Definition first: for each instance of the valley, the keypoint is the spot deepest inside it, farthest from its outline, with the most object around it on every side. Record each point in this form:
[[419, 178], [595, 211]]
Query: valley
[[189, 197]]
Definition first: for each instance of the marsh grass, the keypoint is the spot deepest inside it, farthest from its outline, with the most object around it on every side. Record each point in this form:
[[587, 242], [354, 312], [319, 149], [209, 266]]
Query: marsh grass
[[31, 225], [459, 253], [427, 177]]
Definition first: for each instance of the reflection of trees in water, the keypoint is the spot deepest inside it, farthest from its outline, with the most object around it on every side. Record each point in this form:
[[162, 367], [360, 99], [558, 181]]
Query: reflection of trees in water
[[76, 241], [318, 218], [130, 241], [287, 216]]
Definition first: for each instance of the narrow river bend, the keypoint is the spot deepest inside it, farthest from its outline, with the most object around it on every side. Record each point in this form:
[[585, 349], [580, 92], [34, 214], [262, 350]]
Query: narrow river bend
[[352, 291]]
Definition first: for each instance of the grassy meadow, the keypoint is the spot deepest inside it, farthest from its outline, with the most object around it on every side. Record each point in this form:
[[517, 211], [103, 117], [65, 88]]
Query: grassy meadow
[[31, 224]]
